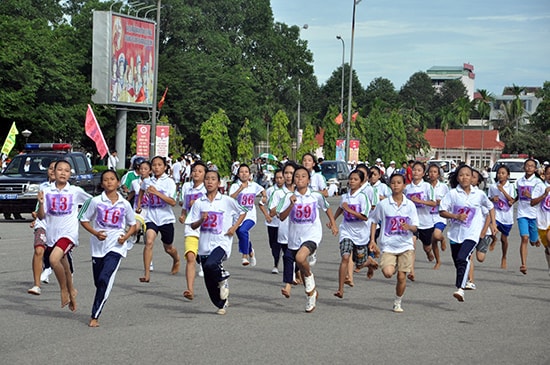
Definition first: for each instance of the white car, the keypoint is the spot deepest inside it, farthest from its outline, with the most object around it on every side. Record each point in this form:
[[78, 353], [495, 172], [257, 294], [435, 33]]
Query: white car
[[514, 164]]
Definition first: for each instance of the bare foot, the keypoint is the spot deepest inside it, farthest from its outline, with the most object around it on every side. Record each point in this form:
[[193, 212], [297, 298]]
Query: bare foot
[[493, 243], [144, 279], [437, 265], [370, 272], [72, 306], [523, 269], [188, 294], [339, 294], [65, 299], [349, 283], [443, 245], [411, 276], [285, 292], [175, 266], [372, 263], [93, 323], [430, 256], [503, 264]]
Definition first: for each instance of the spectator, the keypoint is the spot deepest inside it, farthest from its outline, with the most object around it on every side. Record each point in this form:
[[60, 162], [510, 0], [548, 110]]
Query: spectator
[[112, 160]]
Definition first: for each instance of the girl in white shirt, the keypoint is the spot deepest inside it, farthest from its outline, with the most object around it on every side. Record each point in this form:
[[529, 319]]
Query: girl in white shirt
[[213, 215], [245, 191], [106, 218], [305, 230], [317, 182], [161, 193], [541, 199], [462, 206], [273, 222], [437, 190], [503, 195]]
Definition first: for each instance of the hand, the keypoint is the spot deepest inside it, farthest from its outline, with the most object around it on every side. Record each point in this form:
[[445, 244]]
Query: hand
[[101, 235], [230, 232], [461, 217], [40, 197], [152, 190], [181, 219], [121, 239]]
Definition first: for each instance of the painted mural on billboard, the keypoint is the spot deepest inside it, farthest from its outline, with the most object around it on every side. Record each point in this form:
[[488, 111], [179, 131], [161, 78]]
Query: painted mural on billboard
[[132, 61]]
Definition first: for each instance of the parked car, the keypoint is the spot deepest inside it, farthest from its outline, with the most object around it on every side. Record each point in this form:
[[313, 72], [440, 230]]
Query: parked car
[[20, 180], [446, 166], [514, 164], [337, 171]]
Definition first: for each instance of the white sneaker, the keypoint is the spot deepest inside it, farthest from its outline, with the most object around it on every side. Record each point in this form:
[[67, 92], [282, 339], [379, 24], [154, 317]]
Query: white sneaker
[[312, 259], [470, 286], [45, 275], [224, 289], [311, 302], [253, 258], [35, 290], [310, 283], [459, 295], [397, 307], [201, 273], [223, 310], [275, 270], [151, 268]]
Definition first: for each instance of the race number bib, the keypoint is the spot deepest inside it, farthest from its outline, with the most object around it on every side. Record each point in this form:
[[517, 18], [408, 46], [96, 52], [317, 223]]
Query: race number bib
[[59, 204], [246, 200], [434, 210], [350, 217], [419, 195], [393, 226], [156, 202], [110, 217], [190, 198], [213, 223], [545, 204], [470, 213], [502, 205], [525, 192], [304, 213]]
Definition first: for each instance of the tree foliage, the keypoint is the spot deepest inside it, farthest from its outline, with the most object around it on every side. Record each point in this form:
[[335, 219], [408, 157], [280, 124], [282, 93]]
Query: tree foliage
[[245, 145], [280, 141], [216, 143], [309, 143]]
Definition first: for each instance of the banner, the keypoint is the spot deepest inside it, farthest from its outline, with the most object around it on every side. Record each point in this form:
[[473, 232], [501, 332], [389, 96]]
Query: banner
[[10, 139], [161, 102], [354, 150], [340, 150], [339, 119], [142, 140], [161, 143], [94, 132]]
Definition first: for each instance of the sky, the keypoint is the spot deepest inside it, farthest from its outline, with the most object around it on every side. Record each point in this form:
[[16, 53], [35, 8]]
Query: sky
[[507, 41]]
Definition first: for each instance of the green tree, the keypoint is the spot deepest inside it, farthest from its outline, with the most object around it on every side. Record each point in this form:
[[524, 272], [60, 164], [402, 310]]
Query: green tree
[[418, 94], [386, 134], [245, 146], [216, 142], [309, 143], [383, 90], [446, 115], [280, 141], [333, 132], [462, 108]]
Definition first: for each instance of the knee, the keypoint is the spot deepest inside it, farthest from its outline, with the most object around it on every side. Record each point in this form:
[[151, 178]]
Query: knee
[[388, 272]]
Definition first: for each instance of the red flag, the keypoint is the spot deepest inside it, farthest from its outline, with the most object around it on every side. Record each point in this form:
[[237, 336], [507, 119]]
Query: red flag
[[354, 116], [140, 96], [161, 102], [339, 119], [94, 132]]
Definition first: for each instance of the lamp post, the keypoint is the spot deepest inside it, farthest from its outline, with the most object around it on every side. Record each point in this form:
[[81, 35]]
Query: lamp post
[[348, 131], [152, 151], [343, 74], [26, 133], [305, 26]]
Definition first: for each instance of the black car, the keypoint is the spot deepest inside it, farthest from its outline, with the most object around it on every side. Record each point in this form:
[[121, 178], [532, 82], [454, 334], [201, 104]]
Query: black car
[[338, 172]]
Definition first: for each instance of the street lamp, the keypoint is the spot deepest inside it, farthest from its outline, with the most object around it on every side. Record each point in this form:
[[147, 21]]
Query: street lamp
[[348, 131], [305, 26], [343, 73], [26, 133]]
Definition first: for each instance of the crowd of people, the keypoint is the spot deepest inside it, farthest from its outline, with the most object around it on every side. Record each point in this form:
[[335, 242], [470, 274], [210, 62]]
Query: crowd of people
[[383, 217]]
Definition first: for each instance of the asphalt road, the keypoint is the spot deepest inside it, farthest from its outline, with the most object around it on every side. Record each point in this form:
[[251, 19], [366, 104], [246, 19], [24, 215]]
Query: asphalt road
[[505, 321]]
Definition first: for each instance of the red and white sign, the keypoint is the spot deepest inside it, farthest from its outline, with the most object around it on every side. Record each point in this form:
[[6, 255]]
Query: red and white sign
[[143, 139], [161, 143]]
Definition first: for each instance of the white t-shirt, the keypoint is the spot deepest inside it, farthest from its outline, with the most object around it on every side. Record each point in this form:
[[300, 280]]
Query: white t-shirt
[[357, 230], [393, 239], [176, 172], [269, 192], [304, 221], [276, 198], [39, 223], [424, 192], [380, 191], [190, 194], [220, 218], [159, 212], [61, 208], [317, 182], [247, 197], [504, 212], [112, 161], [437, 193], [103, 215], [543, 208], [456, 202], [525, 192]]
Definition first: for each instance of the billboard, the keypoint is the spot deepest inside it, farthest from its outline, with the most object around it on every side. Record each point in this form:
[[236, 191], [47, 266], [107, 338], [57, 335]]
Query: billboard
[[123, 60]]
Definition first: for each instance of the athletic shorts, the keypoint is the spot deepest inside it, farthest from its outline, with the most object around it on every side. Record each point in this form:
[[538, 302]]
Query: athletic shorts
[[543, 237], [440, 225], [483, 244], [312, 246], [360, 255], [528, 227], [166, 232], [346, 246], [504, 228], [403, 261], [425, 235], [65, 244], [191, 245], [40, 237]]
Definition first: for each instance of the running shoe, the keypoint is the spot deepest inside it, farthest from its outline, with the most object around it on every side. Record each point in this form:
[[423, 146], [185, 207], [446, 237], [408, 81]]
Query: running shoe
[[224, 289], [311, 302], [310, 283], [35, 290], [275, 270], [459, 295], [245, 261], [312, 259], [45, 276], [201, 273], [397, 307], [223, 310], [470, 286], [253, 258]]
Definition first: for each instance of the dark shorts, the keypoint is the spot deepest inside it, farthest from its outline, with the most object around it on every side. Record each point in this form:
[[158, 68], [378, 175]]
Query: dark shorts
[[483, 244], [166, 232], [40, 237], [504, 228], [425, 236], [312, 246]]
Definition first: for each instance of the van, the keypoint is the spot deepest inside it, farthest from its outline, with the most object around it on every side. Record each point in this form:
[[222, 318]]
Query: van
[[514, 164], [446, 166], [338, 171]]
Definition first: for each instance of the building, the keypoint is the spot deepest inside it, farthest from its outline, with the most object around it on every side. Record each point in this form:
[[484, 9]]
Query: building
[[464, 73], [528, 99], [477, 148]]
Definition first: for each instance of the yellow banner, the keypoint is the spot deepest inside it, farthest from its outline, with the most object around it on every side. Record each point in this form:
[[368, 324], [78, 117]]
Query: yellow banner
[[10, 139]]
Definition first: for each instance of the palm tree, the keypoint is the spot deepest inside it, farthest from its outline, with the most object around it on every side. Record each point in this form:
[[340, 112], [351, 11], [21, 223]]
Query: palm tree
[[483, 106], [462, 107]]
